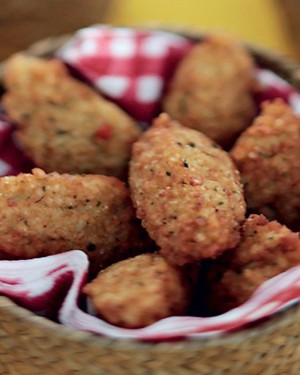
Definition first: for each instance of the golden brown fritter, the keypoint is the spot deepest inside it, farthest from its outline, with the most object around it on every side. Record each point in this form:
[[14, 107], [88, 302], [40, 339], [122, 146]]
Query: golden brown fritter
[[63, 124], [211, 89], [267, 155], [187, 192], [266, 249], [43, 214], [139, 291]]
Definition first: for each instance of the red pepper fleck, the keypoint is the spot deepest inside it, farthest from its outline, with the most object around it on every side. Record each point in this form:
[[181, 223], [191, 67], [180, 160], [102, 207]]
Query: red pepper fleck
[[11, 203], [104, 132]]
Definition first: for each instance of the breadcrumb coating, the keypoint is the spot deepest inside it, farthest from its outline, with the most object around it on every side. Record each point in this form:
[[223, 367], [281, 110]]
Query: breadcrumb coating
[[267, 155], [187, 192], [43, 214], [63, 124], [139, 291], [212, 89], [266, 249]]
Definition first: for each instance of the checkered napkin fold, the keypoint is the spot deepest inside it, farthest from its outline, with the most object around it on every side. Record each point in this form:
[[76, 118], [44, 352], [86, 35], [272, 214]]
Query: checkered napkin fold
[[133, 69]]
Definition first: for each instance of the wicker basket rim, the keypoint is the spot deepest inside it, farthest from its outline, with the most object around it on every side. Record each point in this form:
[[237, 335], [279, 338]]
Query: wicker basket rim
[[49, 327], [280, 64]]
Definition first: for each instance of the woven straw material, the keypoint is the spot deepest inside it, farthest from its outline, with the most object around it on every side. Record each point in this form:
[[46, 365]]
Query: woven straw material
[[33, 345]]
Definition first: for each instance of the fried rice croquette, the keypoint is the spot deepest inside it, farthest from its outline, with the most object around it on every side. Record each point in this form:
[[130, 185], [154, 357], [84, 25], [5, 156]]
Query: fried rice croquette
[[43, 214], [267, 155], [187, 192], [266, 249], [211, 90], [64, 125], [139, 291]]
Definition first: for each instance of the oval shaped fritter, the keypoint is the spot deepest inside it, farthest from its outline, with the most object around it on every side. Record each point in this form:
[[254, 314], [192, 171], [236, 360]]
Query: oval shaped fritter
[[266, 249], [139, 291], [187, 192], [267, 155], [211, 90], [43, 214], [62, 123]]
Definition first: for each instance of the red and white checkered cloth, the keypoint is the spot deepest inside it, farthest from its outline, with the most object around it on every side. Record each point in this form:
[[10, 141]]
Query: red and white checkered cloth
[[132, 68]]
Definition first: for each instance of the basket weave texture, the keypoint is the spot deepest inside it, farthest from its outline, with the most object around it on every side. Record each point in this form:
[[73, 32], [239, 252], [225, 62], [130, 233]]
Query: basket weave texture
[[32, 345]]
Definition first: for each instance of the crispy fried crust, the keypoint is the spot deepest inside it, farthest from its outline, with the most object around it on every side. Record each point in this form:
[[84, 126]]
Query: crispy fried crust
[[266, 249], [63, 124], [139, 291], [211, 89], [187, 192], [43, 214], [268, 157]]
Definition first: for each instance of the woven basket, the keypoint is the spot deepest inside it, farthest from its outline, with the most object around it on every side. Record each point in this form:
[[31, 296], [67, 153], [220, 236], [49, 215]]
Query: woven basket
[[30, 344]]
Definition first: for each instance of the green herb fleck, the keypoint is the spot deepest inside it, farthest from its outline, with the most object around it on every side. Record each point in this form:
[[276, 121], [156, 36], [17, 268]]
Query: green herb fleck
[[264, 155], [182, 105], [61, 132]]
